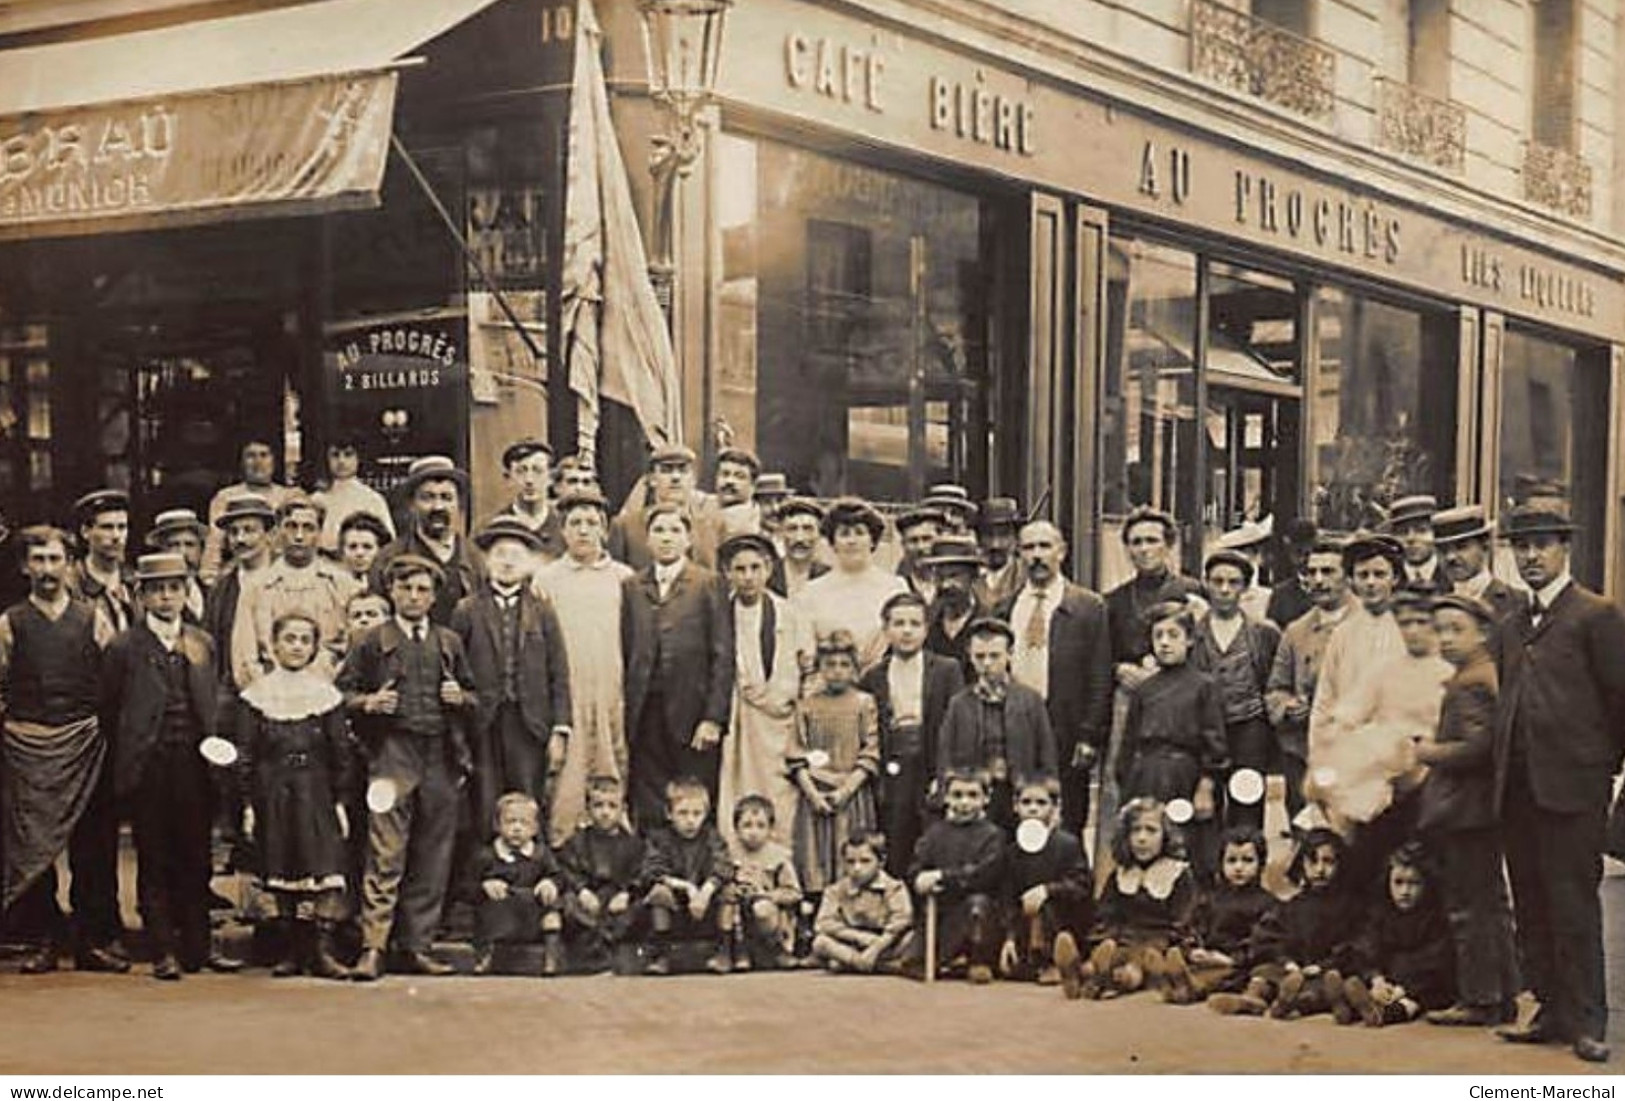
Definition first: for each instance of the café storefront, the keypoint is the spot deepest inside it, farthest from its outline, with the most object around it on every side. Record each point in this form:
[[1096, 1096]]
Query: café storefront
[[202, 244], [926, 262]]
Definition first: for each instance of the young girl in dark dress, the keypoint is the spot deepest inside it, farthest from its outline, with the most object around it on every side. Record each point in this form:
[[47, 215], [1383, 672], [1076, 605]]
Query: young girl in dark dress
[[1218, 957], [294, 757], [1405, 955], [1144, 908]]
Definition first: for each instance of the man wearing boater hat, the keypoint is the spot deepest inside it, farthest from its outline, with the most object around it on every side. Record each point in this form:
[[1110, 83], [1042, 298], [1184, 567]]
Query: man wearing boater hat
[[58, 775], [1559, 741], [259, 468], [1410, 520], [103, 578], [438, 493], [179, 531], [1463, 536]]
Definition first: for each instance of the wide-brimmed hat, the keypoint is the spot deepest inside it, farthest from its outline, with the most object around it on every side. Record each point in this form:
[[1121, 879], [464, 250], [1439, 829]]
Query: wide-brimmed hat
[[1001, 512], [245, 506], [1251, 533], [408, 564], [433, 468], [520, 450], [159, 566], [1456, 525], [852, 512], [953, 550], [506, 527], [669, 454], [772, 487], [172, 520], [950, 497], [1472, 605], [1408, 510], [101, 500], [746, 540], [1536, 520]]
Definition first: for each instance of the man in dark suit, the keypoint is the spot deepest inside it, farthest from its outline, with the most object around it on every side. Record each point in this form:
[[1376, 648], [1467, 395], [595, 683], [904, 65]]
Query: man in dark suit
[[516, 652], [437, 492], [1559, 741], [912, 687], [680, 679], [1463, 538], [1064, 653]]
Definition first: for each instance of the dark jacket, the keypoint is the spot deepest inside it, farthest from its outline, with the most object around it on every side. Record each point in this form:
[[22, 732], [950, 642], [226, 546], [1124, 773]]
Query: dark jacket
[[942, 677], [134, 690], [1459, 792], [374, 662], [1226, 916], [1127, 605], [1142, 917], [699, 859], [1563, 701], [1311, 927], [1029, 744], [522, 873], [682, 647], [465, 573], [1063, 867], [1079, 693], [543, 668], [603, 863], [970, 856], [1413, 949]]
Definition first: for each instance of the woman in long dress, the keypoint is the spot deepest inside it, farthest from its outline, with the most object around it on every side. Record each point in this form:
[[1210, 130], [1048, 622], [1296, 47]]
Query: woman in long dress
[[850, 596], [585, 588]]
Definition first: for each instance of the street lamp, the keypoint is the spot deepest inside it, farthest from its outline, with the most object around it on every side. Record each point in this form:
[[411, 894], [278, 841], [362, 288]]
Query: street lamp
[[682, 41]]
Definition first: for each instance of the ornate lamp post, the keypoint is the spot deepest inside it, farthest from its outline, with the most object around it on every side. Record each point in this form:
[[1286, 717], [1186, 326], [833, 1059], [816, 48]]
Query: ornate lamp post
[[682, 42]]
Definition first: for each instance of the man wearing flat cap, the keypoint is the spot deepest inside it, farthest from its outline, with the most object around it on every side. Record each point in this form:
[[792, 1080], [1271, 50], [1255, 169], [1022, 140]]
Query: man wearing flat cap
[[437, 492], [1559, 740], [737, 508], [102, 577], [801, 523], [917, 530], [527, 466], [669, 481]]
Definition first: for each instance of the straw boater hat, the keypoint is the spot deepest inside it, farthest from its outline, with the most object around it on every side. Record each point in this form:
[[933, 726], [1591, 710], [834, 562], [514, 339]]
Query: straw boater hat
[[520, 450], [506, 527], [431, 468], [670, 455], [101, 500], [746, 540], [1457, 525], [1251, 535], [772, 487], [1408, 510], [160, 566], [953, 550], [172, 520], [1536, 520], [245, 506], [951, 497]]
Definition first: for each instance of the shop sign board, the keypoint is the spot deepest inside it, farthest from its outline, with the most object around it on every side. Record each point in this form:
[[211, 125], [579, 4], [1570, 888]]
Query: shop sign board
[[400, 386], [286, 148], [835, 69]]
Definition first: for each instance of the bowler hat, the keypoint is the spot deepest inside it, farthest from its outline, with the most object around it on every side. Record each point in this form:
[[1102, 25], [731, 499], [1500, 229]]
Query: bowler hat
[[506, 527], [746, 540], [1408, 510], [520, 450], [1000, 512], [244, 506], [101, 500], [432, 468], [953, 550], [171, 520], [1457, 525], [1536, 520], [405, 565], [160, 566]]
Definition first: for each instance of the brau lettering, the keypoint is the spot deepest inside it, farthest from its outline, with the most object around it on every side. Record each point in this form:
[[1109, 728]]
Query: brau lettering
[[970, 110], [1348, 226]]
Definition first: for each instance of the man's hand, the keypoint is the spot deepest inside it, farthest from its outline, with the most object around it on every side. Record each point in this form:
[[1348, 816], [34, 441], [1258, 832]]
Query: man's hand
[[1033, 899], [1083, 757], [452, 694], [620, 903], [1297, 710], [588, 902], [869, 958], [706, 735], [344, 820], [1202, 800], [382, 702], [248, 821], [547, 892], [558, 745], [494, 889], [700, 901], [928, 882]]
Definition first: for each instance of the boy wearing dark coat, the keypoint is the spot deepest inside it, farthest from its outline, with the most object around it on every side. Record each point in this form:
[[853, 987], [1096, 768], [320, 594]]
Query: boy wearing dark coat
[[960, 860], [519, 887], [1048, 885], [158, 699], [602, 863], [1457, 816], [521, 674], [685, 878], [997, 724]]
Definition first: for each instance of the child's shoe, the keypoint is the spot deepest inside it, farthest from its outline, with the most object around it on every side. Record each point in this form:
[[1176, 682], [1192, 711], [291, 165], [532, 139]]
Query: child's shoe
[[1178, 986], [1360, 1001], [1332, 991], [482, 960], [979, 974], [1393, 1013], [1067, 959], [323, 964], [659, 963], [1285, 1005], [722, 961], [1048, 975], [1237, 1005], [1097, 972]]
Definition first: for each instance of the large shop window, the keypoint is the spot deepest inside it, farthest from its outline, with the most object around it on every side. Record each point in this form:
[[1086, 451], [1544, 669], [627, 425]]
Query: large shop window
[[854, 319], [1554, 436], [1383, 407]]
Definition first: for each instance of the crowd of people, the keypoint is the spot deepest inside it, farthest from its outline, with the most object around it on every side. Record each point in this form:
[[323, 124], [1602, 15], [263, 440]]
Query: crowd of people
[[723, 731]]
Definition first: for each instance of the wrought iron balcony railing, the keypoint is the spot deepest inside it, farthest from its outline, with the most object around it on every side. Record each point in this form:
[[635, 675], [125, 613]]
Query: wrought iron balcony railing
[[1558, 179], [1414, 124], [1234, 50]]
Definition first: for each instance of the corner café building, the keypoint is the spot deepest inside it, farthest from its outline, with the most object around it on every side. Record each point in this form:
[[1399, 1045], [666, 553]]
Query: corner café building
[[920, 252], [911, 251]]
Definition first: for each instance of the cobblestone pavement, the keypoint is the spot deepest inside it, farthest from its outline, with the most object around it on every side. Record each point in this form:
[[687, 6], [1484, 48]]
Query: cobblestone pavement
[[792, 1023]]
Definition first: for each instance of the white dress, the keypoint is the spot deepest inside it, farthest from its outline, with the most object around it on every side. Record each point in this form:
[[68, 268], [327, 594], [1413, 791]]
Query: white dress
[[851, 602]]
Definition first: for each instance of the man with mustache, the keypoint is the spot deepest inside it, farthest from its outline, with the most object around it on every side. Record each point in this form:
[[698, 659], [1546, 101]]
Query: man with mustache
[[436, 490], [801, 531], [956, 565]]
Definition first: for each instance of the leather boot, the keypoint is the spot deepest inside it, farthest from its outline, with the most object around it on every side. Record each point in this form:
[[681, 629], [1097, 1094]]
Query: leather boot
[[292, 935], [323, 964], [552, 955]]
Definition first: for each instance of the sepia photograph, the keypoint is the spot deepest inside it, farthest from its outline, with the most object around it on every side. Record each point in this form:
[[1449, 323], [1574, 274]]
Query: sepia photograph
[[696, 538]]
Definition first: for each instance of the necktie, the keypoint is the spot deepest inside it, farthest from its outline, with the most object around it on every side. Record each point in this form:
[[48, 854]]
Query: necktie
[[1536, 609], [1036, 636], [418, 633]]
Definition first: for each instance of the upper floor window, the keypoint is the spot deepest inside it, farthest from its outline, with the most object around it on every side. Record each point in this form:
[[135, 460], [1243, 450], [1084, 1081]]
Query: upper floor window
[[1552, 77]]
